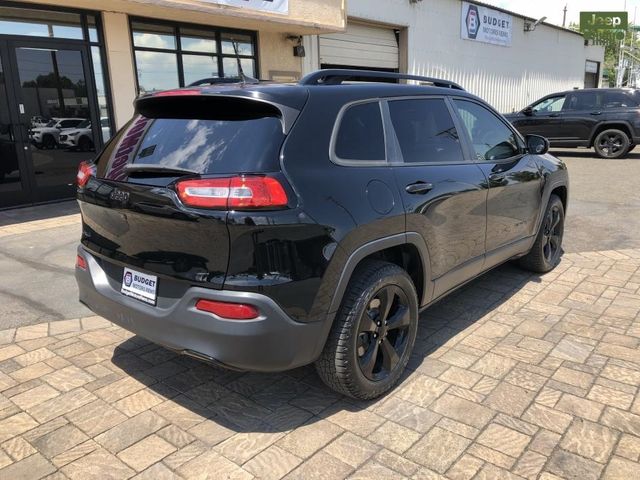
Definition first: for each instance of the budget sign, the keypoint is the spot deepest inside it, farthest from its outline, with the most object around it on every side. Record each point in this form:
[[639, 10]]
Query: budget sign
[[482, 24]]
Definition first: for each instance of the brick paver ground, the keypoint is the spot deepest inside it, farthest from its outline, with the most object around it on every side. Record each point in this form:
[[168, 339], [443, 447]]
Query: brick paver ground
[[514, 376]]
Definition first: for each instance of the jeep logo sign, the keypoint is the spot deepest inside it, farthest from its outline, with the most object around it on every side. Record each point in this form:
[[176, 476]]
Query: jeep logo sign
[[473, 21], [482, 24], [604, 28]]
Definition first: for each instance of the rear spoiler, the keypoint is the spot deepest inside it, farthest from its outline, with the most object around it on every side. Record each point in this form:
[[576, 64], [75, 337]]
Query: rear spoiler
[[191, 103]]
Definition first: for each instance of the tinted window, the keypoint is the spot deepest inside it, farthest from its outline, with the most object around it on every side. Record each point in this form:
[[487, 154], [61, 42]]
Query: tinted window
[[491, 138], [552, 104], [425, 131], [207, 146], [619, 99], [361, 135], [583, 101], [70, 123]]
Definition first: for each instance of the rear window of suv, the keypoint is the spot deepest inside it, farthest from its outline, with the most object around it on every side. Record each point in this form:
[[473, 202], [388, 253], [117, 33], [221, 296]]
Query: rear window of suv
[[242, 143]]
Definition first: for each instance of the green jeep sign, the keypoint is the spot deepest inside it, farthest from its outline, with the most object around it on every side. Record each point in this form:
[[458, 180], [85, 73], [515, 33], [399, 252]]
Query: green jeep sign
[[603, 21], [604, 27]]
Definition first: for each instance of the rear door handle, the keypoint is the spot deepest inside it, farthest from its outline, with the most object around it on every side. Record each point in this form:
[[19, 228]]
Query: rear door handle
[[596, 113], [419, 187]]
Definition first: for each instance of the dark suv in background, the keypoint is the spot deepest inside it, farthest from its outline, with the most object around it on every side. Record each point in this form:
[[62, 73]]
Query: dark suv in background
[[265, 227], [607, 119]]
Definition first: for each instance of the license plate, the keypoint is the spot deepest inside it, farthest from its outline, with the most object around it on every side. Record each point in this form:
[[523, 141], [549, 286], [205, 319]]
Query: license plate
[[140, 286]]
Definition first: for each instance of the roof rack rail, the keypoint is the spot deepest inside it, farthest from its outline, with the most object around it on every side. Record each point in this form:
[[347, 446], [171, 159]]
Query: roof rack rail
[[337, 76], [222, 80]]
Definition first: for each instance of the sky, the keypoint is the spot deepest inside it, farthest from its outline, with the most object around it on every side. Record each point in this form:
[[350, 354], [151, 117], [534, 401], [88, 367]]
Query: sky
[[552, 9]]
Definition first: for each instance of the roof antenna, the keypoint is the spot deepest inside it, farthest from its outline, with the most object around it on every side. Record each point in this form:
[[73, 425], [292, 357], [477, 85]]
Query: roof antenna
[[244, 78]]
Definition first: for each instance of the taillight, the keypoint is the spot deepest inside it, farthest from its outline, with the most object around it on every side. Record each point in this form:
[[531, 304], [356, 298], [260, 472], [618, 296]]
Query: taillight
[[177, 93], [81, 263], [231, 311], [240, 192], [85, 171]]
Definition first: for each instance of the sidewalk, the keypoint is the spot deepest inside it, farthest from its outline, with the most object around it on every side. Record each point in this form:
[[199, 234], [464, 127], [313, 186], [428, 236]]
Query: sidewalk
[[514, 376]]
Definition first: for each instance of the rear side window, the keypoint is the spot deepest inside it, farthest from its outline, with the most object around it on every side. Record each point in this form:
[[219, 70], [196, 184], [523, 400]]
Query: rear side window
[[618, 100], [361, 134], [425, 131], [583, 101], [245, 142]]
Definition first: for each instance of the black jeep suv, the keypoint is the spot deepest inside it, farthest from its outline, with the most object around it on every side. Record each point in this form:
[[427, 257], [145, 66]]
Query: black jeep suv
[[264, 227], [607, 119]]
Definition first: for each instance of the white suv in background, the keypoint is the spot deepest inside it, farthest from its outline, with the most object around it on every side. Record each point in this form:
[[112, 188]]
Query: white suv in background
[[81, 137], [48, 137]]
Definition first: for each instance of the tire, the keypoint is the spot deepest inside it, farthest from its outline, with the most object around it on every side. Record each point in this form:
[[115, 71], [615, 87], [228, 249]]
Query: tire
[[48, 142], [364, 357], [85, 144], [544, 256], [631, 147], [611, 143]]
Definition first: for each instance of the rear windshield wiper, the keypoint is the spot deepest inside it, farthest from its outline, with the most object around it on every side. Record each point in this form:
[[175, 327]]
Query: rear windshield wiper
[[152, 168]]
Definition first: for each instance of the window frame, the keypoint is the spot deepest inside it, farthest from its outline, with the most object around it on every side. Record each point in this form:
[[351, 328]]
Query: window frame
[[86, 42], [397, 157], [345, 162], [217, 34], [469, 141]]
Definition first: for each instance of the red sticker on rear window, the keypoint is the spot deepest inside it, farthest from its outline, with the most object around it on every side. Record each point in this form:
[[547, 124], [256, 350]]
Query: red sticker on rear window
[[126, 148]]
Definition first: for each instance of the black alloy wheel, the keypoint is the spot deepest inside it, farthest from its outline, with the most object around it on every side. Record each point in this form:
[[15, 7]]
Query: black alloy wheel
[[612, 143], [552, 234], [373, 333], [545, 253], [383, 333]]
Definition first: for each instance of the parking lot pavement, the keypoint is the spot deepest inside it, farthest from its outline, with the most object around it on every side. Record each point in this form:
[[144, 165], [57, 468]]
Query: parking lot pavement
[[604, 201], [516, 375], [37, 257]]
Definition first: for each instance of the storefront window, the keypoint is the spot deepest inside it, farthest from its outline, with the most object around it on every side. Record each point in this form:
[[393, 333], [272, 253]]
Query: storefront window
[[63, 25], [170, 56], [40, 23], [197, 67], [198, 41], [156, 70], [153, 36]]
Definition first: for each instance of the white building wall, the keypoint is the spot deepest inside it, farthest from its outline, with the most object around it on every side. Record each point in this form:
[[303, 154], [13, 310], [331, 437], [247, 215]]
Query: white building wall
[[537, 63]]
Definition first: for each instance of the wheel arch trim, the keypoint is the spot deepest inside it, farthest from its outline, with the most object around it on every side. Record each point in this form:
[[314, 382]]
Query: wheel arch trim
[[360, 253], [600, 127]]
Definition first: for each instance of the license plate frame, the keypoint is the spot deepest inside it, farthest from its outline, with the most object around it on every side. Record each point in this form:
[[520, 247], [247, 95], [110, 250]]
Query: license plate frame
[[139, 285]]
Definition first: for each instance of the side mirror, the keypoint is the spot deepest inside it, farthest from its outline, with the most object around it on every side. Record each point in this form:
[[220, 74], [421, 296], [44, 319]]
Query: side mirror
[[537, 145], [528, 111]]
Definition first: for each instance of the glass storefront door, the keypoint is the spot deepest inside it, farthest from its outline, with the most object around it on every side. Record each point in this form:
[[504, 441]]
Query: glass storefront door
[[58, 121], [54, 100], [14, 180]]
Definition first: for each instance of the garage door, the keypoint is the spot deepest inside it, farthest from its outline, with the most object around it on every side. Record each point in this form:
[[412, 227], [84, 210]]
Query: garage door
[[362, 46]]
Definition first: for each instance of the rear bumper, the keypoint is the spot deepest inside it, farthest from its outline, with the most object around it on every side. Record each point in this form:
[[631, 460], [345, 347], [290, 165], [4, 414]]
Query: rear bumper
[[272, 342]]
